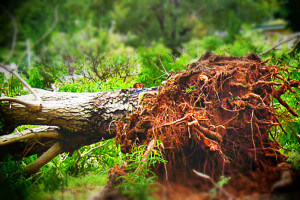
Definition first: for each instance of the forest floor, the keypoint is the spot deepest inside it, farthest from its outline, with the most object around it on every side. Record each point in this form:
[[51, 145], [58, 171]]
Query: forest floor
[[254, 185]]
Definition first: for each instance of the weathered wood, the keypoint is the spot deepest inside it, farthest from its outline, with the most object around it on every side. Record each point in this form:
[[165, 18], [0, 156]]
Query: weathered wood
[[88, 113], [81, 118], [35, 166], [36, 133]]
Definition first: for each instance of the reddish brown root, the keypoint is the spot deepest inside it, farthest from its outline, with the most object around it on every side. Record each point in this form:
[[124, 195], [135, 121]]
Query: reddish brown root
[[213, 117]]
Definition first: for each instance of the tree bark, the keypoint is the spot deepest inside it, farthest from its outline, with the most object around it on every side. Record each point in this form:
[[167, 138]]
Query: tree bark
[[80, 119], [89, 113]]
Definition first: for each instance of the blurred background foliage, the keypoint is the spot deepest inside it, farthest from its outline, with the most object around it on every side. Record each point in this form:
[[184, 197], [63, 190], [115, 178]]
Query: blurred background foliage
[[104, 45], [132, 40]]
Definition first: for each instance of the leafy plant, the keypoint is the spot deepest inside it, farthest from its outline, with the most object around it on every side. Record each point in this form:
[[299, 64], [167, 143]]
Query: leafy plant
[[211, 43], [155, 64], [289, 139], [13, 183], [45, 71], [10, 86], [137, 183], [52, 178], [191, 89], [87, 167], [84, 85], [223, 180]]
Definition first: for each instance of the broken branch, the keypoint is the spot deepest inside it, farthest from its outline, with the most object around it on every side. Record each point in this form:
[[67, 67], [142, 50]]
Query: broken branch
[[30, 106], [23, 82], [296, 36], [35, 133], [36, 165]]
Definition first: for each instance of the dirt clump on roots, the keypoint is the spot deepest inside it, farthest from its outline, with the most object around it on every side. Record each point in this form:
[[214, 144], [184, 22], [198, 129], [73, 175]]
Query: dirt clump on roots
[[214, 117]]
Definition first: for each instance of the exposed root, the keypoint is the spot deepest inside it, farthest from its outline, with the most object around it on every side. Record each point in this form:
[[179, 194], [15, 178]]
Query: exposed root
[[213, 117], [222, 190], [287, 86]]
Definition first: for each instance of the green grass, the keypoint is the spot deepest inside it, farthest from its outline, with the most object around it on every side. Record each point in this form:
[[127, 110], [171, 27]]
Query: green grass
[[81, 187]]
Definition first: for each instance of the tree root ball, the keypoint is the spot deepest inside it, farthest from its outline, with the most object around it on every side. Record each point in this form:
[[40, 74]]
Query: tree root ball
[[214, 117]]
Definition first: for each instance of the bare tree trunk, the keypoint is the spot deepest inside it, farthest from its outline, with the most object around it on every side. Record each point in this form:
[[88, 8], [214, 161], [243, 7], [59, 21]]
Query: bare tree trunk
[[80, 119], [89, 113]]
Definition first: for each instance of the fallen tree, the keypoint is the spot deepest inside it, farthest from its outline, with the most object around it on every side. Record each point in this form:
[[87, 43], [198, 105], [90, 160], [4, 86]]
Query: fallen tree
[[214, 117], [75, 120]]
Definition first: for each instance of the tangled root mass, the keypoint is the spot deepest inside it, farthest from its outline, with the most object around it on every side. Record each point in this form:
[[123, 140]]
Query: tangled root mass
[[214, 117]]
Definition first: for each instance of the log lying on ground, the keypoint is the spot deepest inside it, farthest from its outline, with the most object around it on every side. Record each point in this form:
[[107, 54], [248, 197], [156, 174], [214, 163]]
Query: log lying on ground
[[74, 112], [80, 119]]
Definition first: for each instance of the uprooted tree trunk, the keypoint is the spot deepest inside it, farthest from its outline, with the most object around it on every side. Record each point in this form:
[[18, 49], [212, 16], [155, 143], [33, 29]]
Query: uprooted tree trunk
[[213, 116], [73, 120]]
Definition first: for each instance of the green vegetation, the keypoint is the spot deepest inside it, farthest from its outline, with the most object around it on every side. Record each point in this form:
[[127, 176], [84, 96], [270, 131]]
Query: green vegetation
[[82, 173], [13, 183], [137, 183], [223, 181], [86, 169], [288, 137]]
